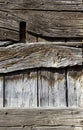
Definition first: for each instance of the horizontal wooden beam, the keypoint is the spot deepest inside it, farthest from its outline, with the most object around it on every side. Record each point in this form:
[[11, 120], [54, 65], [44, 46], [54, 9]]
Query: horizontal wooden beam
[[75, 5], [34, 55], [41, 118], [41, 23]]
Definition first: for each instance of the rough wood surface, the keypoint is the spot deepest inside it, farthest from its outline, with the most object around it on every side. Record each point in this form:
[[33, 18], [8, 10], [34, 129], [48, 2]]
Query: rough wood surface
[[75, 87], [76, 5], [1, 91], [52, 24], [25, 56], [9, 26], [15, 128], [41, 117], [21, 90], [57, 128], [52, 88], [41, 23], [43, 128]]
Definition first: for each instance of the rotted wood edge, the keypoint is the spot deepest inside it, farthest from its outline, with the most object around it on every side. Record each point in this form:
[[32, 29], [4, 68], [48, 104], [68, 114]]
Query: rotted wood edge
[[22, 56]]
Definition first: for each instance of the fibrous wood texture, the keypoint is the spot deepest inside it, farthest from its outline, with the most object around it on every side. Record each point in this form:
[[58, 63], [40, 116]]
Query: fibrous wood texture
[[21, 90], [75, 5], [57, 119], [43, 88], [25, 56], [47, 18], [52, 88]]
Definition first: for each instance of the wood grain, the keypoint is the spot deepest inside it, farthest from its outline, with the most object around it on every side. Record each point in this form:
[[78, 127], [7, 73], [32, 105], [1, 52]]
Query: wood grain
[[43, 128], [52, 88], [54, 128], [25, 56], [41, 23], [41, 117], [1, 91], [9, 26], [21, 90], [52, 24], [75, 87], [69, 5], [15, 128]]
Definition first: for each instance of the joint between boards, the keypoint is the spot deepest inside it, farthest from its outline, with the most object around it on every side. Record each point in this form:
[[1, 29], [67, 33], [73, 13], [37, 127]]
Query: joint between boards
[[66, 88], [3, 91], [37, 91]]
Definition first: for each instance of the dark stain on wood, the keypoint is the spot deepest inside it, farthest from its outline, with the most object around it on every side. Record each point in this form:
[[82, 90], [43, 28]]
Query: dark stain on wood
[[76, 73]]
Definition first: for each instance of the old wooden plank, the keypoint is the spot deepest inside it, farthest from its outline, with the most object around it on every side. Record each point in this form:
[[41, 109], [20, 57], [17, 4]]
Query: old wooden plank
[[75, 5], [41, 117], [53, 24], [43, 89], [54, 128], [42, 128], [9, 26], [78, 128], [15, 128], [58, 128], [8, 34], [75, 87], [48, 24], [21, 90], [24, 56], [52, 91], [1, 92]]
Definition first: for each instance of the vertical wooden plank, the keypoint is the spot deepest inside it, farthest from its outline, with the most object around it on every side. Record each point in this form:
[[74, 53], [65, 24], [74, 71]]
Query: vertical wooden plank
[[4, 91], [57, 89], [75, 87], [30, 90], [21, 90], [52, 88], [1, 92], [43, 88]]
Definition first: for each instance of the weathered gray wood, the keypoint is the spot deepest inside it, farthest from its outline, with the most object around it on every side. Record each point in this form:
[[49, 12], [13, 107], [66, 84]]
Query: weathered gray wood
[[21, 90], [5, 43], [42, 128], [40, 117], [8, 34], [54, 128], [52, 89], [9, 26], [58, 128], [1, 92], [75, 87], [53, 24], [43, 86], [15, 128], [48, 24], [24, 56], [43, 5]]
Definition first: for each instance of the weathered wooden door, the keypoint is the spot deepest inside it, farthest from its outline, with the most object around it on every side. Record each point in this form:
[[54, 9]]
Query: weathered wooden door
[[44, 72]]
